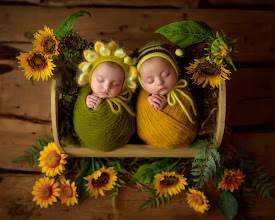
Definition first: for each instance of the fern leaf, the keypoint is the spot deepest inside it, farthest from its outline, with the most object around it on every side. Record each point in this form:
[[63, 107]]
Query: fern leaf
[[199, 144], [147, 205], [216, 155], [211, 163]]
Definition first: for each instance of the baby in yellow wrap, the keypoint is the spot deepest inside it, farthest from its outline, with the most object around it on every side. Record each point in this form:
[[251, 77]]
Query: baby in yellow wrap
[[166, 111]]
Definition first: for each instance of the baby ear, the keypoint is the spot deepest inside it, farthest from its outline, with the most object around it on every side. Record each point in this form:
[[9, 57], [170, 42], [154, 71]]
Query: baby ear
[[83, 78]]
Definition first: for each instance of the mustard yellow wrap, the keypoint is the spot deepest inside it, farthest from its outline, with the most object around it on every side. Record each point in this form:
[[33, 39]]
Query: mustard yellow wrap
[[167, 129]]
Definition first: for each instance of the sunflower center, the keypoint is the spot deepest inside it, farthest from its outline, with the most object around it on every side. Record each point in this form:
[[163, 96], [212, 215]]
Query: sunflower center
[[231, 179], [53, 159], [49, 45], [37, 61], [46, 192], [208, 68], [169, 180], [67, 190], [101, 181], [72, 42], [198, 199]]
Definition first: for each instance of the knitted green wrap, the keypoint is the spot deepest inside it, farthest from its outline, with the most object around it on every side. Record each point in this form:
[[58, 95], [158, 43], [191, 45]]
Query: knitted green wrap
[[100, 128]]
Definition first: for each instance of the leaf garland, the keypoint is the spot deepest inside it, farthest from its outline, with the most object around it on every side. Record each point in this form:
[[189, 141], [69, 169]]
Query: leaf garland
[[67, 25], [186, 33], [205, 161], [33, 153], [154, 200]]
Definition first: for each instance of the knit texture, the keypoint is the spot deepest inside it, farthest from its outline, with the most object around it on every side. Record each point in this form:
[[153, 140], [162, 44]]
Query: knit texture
[[167, 129], [100, 129]]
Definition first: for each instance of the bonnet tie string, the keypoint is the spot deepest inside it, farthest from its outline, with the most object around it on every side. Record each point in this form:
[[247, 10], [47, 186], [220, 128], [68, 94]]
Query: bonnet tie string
[[172, 98], [120, 100]]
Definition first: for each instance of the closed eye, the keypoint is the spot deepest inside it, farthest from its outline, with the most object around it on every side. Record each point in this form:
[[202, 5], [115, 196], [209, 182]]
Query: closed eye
[[165, 74]]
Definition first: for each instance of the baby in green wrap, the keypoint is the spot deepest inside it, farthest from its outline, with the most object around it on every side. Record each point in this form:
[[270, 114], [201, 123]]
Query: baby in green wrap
[[103, 113]]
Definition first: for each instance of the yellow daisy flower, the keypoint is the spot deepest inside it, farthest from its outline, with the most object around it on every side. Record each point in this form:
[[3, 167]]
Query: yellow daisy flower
[[68, 192], [231, 180], [45, 192], [208, 71], [197, 200], [169, 182], [36, 65], [100, 180], [51, 160], [46, 42]]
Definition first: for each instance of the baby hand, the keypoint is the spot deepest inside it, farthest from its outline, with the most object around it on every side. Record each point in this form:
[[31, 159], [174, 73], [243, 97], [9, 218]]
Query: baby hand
[[158, 102], [93, 101]]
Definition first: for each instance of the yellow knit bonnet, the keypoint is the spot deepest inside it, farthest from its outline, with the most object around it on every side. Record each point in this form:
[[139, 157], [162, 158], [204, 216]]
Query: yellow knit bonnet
[[109, 52], [157, 50]]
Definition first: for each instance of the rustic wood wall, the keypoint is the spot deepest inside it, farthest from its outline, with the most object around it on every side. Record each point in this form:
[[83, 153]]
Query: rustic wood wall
[[25, 110]]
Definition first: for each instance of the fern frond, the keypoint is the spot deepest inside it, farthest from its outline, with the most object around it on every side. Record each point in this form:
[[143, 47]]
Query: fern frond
[[155, 200], [33, 153]]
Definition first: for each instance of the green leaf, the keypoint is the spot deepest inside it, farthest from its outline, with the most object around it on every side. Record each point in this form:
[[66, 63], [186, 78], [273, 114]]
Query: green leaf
[[47, 140], [67, 24], [228, 204], [147, 205], [134, 161], [199, 144], [216, 155], [186, 33], [19, 159], [39, 145]]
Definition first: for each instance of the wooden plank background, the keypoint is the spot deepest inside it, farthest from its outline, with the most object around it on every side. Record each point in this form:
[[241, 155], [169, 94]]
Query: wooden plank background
[[25, 110]]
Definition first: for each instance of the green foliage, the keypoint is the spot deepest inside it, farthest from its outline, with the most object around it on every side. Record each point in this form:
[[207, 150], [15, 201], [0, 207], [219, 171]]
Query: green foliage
[[187, 33], [67, 24], [114, 191], [228, 204], [145, 173], [85, 168], [155, 201], [204, 164], [117, 164], [33, 153]]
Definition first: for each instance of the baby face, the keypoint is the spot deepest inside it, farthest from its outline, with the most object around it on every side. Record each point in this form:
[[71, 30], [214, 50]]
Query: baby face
[[157, 76], [107, 80]]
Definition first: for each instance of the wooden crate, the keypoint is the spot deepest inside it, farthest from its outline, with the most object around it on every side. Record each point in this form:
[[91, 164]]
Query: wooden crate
[[135, 150]]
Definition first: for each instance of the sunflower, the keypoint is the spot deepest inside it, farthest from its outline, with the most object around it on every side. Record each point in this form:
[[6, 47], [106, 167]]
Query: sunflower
[[46, 41], [45, 192], [72, 44], [36, 65], [68, 192], [100, 180], [51, 160], [231, 180], [169, 182], [208, 71], [197, 200]]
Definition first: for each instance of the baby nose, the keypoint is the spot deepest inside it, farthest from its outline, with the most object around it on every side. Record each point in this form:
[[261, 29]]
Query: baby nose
[[107, 86], [160, 81]]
